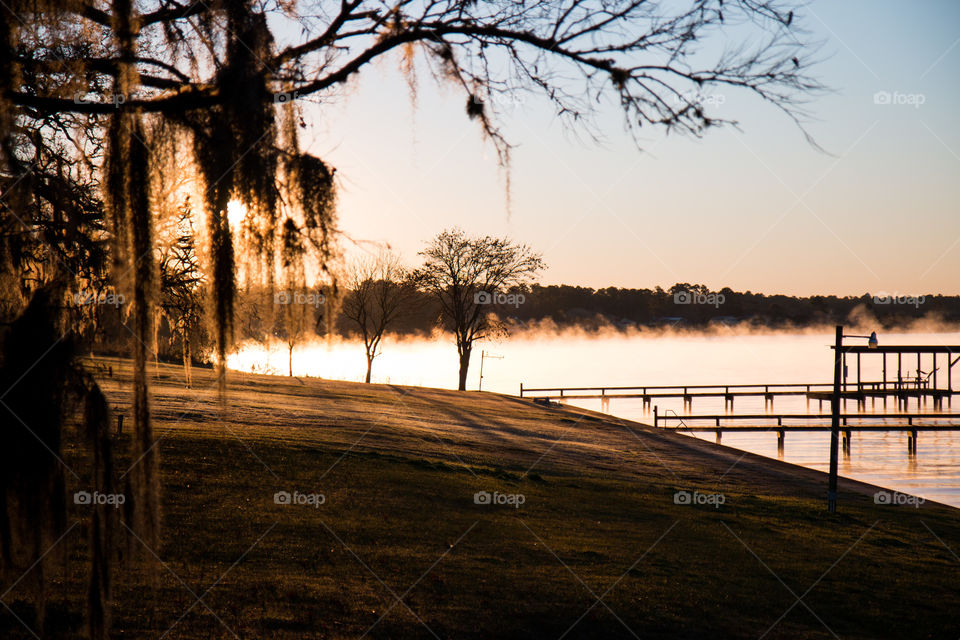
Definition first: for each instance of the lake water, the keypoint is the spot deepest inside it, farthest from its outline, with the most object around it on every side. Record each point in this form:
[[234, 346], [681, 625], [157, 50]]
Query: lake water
[[574, 359]]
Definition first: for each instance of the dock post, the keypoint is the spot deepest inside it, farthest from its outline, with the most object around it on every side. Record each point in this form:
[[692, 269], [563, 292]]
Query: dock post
[[781, 437], [912, 442], [934, 367], [719, 435], [884, 375], [835, 421], [859, 381], [846, 442], [521, 389], [654, 416]]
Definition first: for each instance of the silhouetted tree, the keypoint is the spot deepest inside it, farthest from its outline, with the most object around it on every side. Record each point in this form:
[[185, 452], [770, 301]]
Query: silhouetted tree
[[466, 274], [181, 285], [108, 81], [377, 292]]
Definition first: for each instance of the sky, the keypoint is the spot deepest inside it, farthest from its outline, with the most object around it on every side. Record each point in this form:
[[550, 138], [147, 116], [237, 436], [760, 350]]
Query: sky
[[756, 209]]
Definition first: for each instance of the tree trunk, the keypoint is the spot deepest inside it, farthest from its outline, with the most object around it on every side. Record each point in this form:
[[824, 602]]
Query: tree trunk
[[464, 365], [187, 374], [290, 360], [369, 368]]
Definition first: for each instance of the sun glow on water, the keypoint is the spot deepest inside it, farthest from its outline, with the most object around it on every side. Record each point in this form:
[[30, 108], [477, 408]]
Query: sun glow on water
[[430, 363]]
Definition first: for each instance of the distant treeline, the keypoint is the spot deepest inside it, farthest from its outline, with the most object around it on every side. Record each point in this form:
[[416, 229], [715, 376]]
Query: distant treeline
[[694, 306], [697, 305], [683, 305]]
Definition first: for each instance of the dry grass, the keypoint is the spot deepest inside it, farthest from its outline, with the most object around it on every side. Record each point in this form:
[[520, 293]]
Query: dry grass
[[400, 549]]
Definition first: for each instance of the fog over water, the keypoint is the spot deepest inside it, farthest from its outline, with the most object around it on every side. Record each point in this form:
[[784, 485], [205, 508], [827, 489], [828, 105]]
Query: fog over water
[[575, 359]]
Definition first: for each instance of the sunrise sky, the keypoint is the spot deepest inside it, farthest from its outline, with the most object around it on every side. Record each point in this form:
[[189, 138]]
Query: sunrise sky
[[756, 209]]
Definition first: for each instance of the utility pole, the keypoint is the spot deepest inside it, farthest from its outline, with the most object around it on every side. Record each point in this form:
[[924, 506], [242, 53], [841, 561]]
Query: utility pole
[[484, 356]]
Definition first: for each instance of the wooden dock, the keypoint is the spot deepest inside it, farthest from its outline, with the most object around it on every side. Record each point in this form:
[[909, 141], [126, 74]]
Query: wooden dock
[[901, 391], [912, 423], [901, 384]]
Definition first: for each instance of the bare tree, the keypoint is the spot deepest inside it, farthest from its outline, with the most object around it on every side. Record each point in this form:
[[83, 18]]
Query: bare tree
[[106, 80], [467, 275], [181, 284], [295, 319], [226, 75], [298, 301], [378, 290]]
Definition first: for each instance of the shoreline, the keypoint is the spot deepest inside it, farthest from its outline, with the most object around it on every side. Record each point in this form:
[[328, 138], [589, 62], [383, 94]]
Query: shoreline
[[508, 518], [719, 453], [768, 464]]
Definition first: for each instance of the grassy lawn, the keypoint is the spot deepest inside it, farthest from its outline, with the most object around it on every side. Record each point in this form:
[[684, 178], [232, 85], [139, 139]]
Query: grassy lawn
[[399, 548]]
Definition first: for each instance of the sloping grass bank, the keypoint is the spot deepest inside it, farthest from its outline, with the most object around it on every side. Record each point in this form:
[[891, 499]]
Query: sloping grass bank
[[581, 537]]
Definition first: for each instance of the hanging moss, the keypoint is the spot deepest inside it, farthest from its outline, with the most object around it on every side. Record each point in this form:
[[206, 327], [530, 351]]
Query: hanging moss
[[103, 526], [35, 372], [239, 153], [313, 181], [127, 195]]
